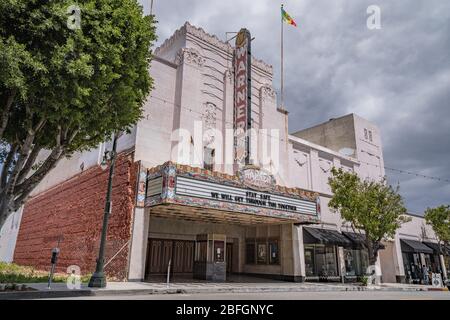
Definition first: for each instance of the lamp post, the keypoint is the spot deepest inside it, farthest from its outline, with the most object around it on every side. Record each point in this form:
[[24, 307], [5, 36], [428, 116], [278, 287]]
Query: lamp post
[[98, 279]]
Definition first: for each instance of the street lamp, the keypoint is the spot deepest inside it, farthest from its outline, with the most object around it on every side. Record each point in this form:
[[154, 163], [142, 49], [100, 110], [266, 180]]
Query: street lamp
[[98, 279]]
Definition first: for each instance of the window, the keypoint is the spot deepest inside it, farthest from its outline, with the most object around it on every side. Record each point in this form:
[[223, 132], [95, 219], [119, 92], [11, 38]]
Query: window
[[250, 252], [356, 262], [365, 134], [208, 158], [273, 252], [262, 251], [321, 260], [309, 261], [261, 257], [370, 136]]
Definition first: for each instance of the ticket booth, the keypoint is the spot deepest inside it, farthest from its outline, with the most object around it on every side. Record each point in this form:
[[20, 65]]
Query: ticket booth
[[210, 257]]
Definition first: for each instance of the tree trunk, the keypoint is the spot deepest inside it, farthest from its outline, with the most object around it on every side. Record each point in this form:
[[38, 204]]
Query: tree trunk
[[372, 250], [5, 208]]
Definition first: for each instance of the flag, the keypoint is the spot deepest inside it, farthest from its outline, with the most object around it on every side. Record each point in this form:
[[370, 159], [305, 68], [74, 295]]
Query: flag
[[286, 17]]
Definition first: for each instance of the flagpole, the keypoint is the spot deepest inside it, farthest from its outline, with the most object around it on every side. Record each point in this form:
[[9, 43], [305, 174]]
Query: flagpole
[[282, 57]]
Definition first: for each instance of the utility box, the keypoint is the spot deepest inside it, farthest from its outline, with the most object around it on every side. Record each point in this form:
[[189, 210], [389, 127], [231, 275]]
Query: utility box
[[210, 257]]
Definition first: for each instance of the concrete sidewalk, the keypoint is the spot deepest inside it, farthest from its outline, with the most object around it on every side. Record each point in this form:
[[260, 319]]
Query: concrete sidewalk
[[60, 290]]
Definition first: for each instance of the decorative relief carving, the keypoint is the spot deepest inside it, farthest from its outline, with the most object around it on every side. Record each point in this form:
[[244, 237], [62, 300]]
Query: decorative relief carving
[[189, 56], [203, 35], [228, 75], [301, 159], [347, 169], [170, 41], [262, 65], [209, 118], [267, 92], [325, 165]]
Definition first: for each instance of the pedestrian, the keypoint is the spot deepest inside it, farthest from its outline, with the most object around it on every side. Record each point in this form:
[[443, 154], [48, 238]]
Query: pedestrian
[[426, 277]]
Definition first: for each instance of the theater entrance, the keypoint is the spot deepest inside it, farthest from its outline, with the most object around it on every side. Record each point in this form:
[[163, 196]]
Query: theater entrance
[[180, 253]]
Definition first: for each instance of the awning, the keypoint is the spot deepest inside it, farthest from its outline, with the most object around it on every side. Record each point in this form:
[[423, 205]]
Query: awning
[[414, 246], [436, 249], [359, 240], [325, 236]]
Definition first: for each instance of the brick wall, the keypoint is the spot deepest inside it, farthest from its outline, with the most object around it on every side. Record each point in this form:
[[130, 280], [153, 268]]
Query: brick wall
[[74, 210]]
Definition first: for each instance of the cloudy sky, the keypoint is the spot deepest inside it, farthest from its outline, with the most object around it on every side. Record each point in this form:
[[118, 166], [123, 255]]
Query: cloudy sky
[[397, 77]]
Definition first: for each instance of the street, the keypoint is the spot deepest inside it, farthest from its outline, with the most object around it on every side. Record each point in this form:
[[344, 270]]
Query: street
[[328, 295]]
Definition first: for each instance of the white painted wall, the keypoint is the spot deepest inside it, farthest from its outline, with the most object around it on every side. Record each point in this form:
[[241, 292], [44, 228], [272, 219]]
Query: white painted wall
[[8, 236]]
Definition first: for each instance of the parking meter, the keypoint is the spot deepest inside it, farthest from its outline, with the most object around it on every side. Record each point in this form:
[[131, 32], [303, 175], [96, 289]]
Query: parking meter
[[53, 260], [55, 253]]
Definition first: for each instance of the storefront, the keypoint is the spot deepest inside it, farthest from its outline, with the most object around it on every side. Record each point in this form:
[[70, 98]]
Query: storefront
[[434, 260], [415, 255], [356, 257], [322, 253], [208, 224]]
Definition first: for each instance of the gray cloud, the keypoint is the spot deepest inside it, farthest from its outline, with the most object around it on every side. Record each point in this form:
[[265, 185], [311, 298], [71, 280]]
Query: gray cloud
[[397, 77]]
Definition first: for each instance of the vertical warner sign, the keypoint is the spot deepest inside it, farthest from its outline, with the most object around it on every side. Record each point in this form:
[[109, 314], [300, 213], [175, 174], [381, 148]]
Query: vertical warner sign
[[242, 97]]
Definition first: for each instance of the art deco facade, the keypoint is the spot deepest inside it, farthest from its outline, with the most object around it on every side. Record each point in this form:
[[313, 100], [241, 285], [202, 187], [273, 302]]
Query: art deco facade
[[206, 217]]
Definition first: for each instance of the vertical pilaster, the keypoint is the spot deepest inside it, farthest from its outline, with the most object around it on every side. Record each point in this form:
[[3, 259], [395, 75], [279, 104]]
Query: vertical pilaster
[[443, 266], [314, 169], [398, 260], [298, 254], [341, 263], [139, 241]]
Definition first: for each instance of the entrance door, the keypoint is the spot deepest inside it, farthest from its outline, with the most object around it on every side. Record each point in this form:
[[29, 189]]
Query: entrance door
[[229, 258], [159, 254], [161, 251], [183, 256]]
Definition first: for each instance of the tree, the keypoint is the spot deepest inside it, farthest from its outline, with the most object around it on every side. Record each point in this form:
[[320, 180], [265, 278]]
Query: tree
[[72, 73], [439, 219], [370, 206]]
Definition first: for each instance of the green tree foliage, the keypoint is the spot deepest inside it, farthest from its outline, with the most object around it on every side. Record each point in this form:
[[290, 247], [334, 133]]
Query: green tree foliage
[[371, 207], [66, 89], [439, 219]]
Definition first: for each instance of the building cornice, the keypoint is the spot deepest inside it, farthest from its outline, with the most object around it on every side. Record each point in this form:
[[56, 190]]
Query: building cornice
[[322, 148], [213, 40]]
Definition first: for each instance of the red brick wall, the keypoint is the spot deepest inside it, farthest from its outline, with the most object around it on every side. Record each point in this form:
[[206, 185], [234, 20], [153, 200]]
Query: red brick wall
[[74, 210]]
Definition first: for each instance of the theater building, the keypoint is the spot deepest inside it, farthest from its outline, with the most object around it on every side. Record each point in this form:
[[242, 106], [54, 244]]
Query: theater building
[[211, 203]]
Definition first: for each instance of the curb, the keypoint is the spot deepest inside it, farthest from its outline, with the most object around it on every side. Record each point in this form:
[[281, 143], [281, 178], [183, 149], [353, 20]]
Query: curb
[[19, 295], [105, 292]]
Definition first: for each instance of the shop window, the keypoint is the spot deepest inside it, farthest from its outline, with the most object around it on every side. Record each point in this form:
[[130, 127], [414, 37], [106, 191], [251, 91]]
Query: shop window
[[413, 267], [350, 262], [326, 261], [309, 261], [250, 252], [208, 158], [321, 261], [356, 262], [273, 252]]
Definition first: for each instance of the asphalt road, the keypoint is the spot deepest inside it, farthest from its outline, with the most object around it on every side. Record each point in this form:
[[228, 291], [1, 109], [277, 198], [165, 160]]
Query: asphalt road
[[344, 295]]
